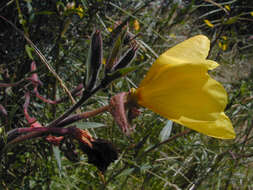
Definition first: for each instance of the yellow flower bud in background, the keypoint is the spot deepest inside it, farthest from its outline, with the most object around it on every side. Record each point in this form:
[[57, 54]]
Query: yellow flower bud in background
[[80, 11], [136, 25], [227, 7], [208, 23], [109, 29]]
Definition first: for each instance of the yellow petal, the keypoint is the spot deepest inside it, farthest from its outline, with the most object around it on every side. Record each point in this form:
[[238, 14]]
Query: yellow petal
[[221, 127], [211, 64], [193, 50]]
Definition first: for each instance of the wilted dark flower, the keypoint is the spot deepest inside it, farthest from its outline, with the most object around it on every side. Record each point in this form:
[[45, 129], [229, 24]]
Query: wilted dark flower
[[101, 154]]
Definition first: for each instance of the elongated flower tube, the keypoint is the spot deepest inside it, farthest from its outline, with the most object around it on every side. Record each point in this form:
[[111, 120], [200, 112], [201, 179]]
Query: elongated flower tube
[[179, 88]]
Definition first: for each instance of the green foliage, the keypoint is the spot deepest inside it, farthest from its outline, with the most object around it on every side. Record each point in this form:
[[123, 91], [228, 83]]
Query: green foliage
[[62, 33]]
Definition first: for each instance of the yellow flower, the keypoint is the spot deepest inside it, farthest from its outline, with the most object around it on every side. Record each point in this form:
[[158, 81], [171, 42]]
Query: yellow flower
[[80, 11], [224, 37], [223, 44], [179, 88], [251, 13], [136, 25], [208, 23], [224, 47], [227, 7], [109, 29]]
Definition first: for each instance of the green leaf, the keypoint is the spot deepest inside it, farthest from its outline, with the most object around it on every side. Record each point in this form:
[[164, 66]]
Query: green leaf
[[244, 88], [125, 71], [145, 167], [232, 20], [126, 172], [45, 13], [29, 51], [166, 131], [89, 125]]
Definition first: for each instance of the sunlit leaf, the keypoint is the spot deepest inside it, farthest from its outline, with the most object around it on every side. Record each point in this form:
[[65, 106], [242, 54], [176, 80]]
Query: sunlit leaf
[[57, 155], [166, 131], [29, 51], [89, 125]]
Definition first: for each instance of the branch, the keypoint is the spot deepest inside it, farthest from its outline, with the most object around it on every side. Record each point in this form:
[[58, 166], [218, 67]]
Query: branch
[[185, 132]]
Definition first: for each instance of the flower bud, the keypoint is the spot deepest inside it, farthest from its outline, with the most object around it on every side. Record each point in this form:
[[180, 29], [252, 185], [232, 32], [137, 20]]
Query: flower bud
[[94, 60], [126, 59]]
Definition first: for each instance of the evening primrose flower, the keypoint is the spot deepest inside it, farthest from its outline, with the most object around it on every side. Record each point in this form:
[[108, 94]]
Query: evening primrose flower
[[179, 88]]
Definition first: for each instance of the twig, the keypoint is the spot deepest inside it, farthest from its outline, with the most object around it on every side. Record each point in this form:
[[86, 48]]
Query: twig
[[85, 97], [14, 135], [77, 117], [185, 132], [207, 173], [11, 84], [43, 59]]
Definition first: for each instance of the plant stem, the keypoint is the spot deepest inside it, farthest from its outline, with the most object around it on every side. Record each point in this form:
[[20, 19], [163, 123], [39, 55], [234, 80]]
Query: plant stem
[[77, 117], [185, 132], [37, 132], [84, 98]]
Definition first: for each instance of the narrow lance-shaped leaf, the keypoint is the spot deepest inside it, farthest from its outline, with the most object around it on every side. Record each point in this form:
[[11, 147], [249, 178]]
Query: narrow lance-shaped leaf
[[166, 131], [117, 74], [58, 158], [89, 125], [94, 60]]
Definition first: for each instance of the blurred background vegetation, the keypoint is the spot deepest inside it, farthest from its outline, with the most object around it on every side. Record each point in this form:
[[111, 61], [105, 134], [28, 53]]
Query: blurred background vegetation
[[61, 29]]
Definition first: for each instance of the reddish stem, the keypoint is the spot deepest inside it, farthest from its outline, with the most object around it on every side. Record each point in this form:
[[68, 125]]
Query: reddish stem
[[77, 117], [40, 131]]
